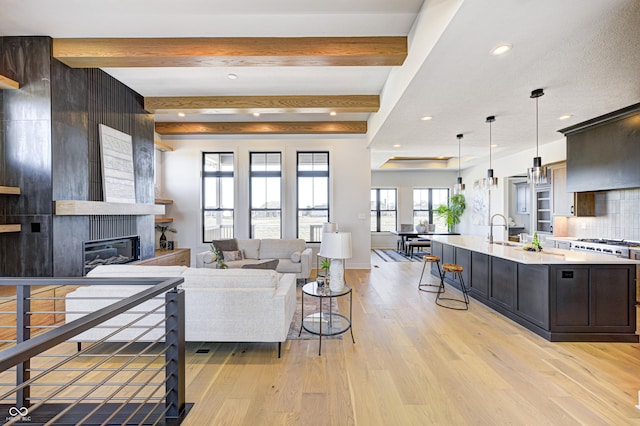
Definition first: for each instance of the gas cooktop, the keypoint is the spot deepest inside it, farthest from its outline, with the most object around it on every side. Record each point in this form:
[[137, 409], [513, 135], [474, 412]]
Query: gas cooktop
[[609, 242]]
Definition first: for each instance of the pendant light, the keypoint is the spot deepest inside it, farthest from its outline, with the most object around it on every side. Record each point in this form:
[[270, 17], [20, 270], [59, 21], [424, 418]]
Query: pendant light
[[459, 186], [490, 182], [538, 173]]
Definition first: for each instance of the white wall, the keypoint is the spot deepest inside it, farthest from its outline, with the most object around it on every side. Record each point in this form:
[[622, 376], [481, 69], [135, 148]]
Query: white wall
[[512, 165], [350, 179], [405, 181]]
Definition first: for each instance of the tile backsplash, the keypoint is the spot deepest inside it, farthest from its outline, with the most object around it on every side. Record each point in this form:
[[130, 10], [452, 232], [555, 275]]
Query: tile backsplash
[[617, 217]]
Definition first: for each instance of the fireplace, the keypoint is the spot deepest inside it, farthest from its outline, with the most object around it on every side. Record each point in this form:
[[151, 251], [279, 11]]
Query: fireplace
[[111, 251]]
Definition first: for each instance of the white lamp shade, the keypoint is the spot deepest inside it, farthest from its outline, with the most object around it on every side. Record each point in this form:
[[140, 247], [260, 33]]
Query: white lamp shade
[[336, 245], [329, 227]]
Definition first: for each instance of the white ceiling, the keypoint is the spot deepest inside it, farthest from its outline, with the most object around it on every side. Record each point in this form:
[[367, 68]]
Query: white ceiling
[[584, 53]]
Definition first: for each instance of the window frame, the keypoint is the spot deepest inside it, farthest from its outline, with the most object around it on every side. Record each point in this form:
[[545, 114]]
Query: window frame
[[265, 174], [429, 203], [312, 174], [379, 211], [216, 174]]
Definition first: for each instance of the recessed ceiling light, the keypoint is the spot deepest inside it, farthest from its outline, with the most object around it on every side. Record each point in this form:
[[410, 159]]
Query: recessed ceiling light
[[426, 118], [397, 145], [564, 117], [181, 114], [256, 114], [232, 76], [333, 113], [495, 145], [501, 49]]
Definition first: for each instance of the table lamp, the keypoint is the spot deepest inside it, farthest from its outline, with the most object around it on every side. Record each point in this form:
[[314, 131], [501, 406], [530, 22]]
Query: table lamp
[[337, 247]]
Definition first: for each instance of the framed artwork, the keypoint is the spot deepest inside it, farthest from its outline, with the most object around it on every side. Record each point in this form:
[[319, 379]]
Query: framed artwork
[[118, 179], [480, 204]]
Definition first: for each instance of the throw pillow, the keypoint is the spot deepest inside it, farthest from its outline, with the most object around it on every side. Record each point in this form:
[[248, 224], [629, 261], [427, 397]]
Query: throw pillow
[[267, 264], [295, 257], [225, 245], [230, 256]]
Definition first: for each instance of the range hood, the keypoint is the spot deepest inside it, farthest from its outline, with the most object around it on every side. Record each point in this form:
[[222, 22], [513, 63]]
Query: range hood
[[604, 153]]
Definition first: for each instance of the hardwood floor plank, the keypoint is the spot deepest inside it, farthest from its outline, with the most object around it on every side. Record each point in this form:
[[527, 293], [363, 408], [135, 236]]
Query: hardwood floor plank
[[413, 363]]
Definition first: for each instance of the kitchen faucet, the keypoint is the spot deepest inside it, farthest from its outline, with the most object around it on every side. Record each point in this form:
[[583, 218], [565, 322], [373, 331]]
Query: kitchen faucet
[[491, 225]]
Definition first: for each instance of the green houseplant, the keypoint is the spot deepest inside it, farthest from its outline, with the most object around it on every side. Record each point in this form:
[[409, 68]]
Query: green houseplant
[[325, 265], [452, 211]]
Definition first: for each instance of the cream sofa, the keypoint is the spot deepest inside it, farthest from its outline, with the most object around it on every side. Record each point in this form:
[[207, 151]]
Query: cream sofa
[[292, 254], [221, 305]]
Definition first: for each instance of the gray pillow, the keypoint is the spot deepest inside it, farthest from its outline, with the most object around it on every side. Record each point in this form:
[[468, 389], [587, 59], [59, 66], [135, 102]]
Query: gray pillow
[[226, 245], [267, 264]]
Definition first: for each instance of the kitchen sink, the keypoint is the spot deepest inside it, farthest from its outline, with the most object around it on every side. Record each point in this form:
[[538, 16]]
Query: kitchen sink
[[506, 244]]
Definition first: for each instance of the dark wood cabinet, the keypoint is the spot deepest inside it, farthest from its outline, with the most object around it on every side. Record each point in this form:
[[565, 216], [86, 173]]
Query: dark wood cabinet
[[448, 254], [463, 258], [479, 275], [532, 294], [570, 298], [611, 288], [559, 302], [593, 299], [503, 283], [436, 250]]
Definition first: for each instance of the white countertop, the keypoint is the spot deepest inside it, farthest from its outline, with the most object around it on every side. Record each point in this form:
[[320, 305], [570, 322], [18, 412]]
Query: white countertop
[[548, 256]]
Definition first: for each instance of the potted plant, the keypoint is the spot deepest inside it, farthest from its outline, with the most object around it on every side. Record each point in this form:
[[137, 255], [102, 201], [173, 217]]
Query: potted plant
[[218, 257], [325, 265], [452, 212], [163, 238]]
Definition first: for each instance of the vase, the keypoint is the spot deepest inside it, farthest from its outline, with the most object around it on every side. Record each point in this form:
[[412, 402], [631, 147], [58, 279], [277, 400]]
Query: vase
[[420, 229], [163, 241]]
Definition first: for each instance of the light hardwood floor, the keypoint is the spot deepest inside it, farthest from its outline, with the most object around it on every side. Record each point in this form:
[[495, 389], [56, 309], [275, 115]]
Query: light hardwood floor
[[415, 363]]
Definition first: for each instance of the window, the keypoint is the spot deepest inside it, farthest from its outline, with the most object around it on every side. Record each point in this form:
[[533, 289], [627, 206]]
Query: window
[[217, 195], [383, 210], [425, 202], [266, 194], [313, 194]]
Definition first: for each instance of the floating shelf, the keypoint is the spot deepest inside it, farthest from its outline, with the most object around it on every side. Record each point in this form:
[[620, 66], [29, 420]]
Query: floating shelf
[[7, 84], [164, 220], [161, 201], [9, 228], [9, 190], [101, 208], [162, 147]]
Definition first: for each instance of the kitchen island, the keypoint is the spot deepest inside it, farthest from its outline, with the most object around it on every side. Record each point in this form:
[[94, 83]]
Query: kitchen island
[[561, 295]]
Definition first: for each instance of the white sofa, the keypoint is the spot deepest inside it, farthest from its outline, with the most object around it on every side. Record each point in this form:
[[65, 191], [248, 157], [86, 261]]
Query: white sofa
[[221, 305], [292, 254]]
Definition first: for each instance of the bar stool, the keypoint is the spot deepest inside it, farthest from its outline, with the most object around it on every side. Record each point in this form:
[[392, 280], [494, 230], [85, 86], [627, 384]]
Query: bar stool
[[430, 258], [456, 270]]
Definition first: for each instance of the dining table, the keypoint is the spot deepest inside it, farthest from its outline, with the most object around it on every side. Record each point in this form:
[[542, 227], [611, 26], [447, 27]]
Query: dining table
[[407, 235]]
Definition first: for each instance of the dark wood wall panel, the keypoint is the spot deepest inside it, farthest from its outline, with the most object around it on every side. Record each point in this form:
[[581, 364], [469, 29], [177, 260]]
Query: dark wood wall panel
[[49, 147], [101, 227], [26, 156]]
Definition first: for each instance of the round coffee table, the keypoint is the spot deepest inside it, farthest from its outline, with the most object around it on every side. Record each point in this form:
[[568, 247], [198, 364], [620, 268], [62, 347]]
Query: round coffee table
[[328, 323]]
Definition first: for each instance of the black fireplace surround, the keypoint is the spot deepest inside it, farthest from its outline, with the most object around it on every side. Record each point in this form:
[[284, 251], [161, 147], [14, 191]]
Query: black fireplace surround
[[111, 251]]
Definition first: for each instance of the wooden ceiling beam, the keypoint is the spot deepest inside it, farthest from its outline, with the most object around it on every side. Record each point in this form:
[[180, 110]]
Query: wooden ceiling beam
[[239, 51], [263, 128], [262, 104]]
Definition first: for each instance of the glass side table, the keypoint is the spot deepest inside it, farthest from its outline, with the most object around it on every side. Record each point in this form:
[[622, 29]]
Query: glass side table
[[328, 323]]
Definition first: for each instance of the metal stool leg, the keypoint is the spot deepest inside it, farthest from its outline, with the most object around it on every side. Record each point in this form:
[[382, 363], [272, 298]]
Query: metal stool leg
[[440, 285], [465, 295]]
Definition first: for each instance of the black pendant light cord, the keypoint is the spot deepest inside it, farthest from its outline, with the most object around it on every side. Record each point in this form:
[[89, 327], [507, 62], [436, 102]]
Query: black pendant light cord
[[537, 127], [459, 139]]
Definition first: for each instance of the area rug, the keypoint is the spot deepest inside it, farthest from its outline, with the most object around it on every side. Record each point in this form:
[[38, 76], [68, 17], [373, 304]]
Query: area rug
[[311, 305], [394, 256]]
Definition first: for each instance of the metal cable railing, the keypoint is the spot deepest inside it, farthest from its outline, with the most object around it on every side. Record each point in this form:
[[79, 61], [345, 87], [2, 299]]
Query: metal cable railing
[[129, 370]]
